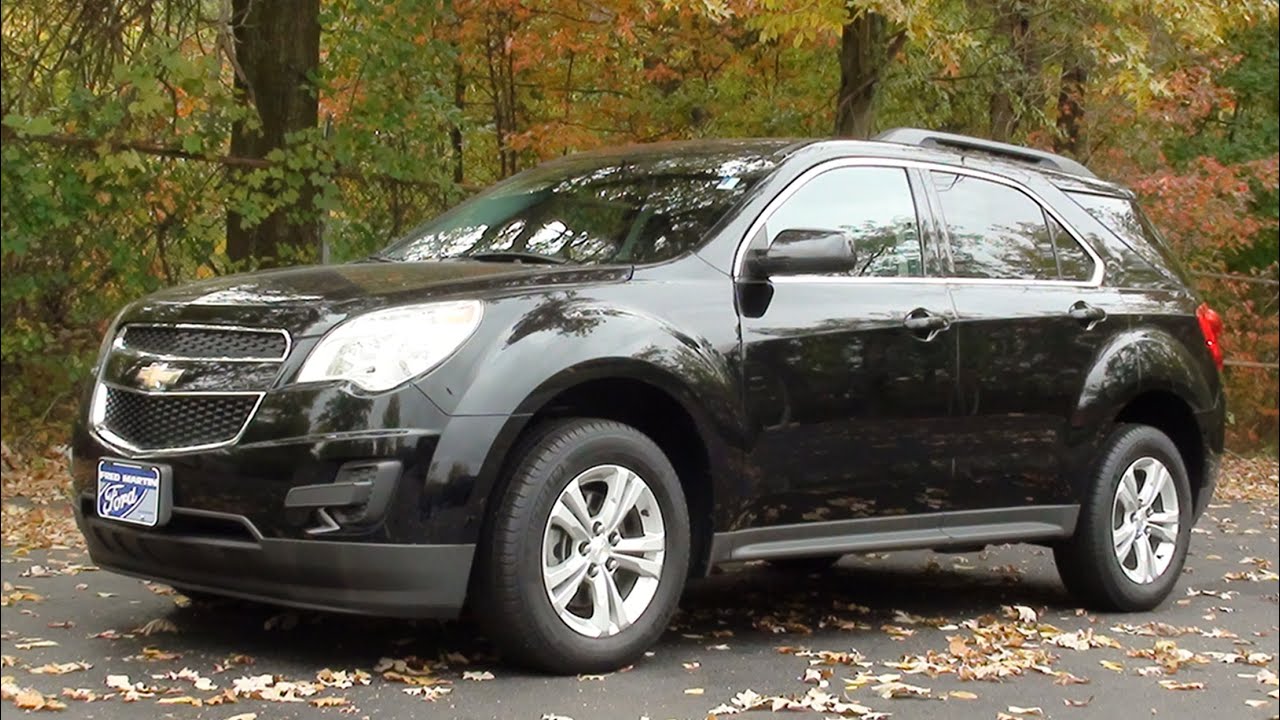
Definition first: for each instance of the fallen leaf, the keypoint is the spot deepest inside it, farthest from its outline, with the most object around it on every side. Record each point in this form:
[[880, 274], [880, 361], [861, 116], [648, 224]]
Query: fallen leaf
[[895, 689], [1175, 685], [477, 675], [155, 654], [158, 625], [1022, 613], [693, 691], [430, 694], [61, 668], [30, 643], [1077, 703], [1026, 710], [342, 679], [962, 695], [180, 700], [323, 702]]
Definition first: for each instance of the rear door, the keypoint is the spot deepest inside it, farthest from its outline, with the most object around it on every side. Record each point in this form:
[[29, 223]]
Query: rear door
[[1031, 318], [848, 405]]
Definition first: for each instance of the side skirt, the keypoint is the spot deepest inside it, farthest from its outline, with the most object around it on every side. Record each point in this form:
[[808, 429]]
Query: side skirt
[[907, 532]]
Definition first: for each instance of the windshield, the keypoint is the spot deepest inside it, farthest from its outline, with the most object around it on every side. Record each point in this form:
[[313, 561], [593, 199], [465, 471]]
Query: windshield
[[594, 210]]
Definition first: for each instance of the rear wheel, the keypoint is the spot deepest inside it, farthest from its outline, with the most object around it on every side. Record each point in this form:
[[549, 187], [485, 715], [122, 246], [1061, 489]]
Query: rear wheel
[[1135, 524], [588, 550]]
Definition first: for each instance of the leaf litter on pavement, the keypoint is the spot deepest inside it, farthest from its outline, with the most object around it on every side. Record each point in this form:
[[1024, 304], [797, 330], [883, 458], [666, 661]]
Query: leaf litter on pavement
[[1015, 643]]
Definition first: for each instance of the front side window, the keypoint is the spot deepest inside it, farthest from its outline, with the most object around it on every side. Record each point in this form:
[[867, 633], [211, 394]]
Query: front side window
[[872, 206]]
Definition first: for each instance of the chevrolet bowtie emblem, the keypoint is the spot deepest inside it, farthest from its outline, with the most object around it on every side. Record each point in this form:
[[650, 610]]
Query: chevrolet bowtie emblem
[[157, 376]]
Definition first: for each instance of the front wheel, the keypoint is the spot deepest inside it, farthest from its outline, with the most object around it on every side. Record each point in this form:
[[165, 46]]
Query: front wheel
[[588, 551], [1135, 524]]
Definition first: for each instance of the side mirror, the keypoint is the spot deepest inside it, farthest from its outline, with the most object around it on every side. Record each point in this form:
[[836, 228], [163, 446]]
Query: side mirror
[[804, 251]]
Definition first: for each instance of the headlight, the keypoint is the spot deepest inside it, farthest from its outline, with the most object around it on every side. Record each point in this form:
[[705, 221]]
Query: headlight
[[382, 349]]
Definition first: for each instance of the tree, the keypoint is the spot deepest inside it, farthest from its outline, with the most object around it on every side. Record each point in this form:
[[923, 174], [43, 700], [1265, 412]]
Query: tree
[[868, 43], [277, 56]]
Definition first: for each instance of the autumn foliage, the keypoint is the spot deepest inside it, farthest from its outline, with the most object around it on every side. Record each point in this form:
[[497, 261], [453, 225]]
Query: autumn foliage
[[119, 176]]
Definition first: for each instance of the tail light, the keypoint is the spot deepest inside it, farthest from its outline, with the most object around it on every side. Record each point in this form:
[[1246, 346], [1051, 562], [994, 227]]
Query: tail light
[[1211, 328]]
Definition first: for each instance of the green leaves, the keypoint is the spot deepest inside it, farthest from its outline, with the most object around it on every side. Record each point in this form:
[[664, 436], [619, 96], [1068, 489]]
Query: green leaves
[[31, 126]]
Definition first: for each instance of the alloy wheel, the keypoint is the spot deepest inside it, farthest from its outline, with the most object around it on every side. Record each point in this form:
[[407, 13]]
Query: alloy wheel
[[603, 550], [1144, 520]]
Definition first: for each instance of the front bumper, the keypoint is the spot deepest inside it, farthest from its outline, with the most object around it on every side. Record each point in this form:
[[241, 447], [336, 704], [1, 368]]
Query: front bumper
[[357, 577], [237, 530]]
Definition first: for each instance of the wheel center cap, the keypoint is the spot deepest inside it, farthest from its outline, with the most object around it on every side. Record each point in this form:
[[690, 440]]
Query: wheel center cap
[[598, 548]]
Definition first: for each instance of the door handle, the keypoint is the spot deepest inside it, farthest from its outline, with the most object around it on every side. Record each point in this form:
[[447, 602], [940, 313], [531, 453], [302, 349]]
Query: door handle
[[1086, 314], [925, 324]]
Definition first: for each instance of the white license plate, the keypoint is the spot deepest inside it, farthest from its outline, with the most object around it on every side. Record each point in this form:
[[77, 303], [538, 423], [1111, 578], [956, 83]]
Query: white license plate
[[138, 493]]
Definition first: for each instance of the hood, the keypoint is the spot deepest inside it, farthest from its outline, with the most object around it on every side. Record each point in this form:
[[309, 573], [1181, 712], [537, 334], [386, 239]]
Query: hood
[[311, 299]]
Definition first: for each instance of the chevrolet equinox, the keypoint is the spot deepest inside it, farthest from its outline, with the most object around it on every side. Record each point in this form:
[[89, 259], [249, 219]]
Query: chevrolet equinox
[[605, 375]]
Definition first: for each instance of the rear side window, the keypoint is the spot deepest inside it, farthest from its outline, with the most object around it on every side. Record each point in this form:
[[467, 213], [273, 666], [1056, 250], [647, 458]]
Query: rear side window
[[1126, 220], [995, 230], [999, 232], [1073, 262]]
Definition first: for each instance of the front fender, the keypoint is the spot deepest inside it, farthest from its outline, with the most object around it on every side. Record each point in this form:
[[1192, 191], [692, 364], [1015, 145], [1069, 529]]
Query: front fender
[[535, 348]]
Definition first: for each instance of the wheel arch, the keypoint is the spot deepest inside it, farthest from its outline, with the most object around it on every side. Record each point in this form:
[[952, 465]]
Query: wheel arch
[[645, 396], [1173, 416], [1148, 376]]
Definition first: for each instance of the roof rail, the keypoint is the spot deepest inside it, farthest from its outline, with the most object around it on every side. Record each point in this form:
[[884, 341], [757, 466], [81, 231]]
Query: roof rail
[[931, 138]]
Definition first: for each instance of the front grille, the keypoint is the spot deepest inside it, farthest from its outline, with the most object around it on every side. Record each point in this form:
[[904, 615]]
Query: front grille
[[154, 422], [200, 343]]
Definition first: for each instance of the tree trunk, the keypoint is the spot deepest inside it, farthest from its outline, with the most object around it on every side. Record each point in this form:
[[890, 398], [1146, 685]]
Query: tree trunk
[[277, 50], [867, 47], [1020, 90], [1070, 123], [460, 106]]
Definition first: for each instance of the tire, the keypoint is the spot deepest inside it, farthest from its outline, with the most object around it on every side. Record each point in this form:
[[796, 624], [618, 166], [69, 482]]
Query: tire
[[1090, 564], [804, 565], [527, 549]]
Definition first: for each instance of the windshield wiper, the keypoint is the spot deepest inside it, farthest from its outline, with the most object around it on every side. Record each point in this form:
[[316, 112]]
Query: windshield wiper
[[514, 256]]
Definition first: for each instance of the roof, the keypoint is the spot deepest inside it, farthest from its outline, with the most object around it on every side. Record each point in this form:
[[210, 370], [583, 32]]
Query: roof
[[902, 143]]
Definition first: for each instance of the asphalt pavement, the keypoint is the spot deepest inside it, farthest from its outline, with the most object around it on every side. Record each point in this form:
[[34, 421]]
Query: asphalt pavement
[[972, 635]]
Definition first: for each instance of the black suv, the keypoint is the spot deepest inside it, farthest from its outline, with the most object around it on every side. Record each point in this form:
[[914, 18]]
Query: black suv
[[558, 401]]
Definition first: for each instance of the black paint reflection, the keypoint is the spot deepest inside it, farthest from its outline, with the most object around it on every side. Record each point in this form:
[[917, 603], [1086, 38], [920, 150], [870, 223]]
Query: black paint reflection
[[854, 413]]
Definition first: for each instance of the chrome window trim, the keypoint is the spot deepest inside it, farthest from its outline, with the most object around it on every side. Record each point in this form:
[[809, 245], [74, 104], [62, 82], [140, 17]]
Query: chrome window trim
[[117, 344], [97, 415], [739, 255]]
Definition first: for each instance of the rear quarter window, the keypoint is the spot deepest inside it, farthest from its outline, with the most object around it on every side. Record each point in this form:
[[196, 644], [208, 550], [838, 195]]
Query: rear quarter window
[[1126, 221]]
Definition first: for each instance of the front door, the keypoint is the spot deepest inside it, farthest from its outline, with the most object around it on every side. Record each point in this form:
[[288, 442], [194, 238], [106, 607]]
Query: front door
[[850, 378]]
